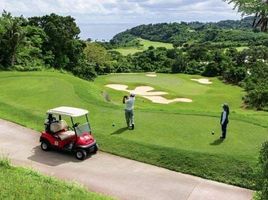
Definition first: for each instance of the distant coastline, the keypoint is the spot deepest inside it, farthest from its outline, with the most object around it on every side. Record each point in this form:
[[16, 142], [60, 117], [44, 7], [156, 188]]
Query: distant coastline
[[102, 31]]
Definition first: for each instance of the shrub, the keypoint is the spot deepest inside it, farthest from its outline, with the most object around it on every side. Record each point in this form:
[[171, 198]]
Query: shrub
[[4, 162], [256, 86], [234, 74], [85, 70], [212, 69], [263, 178], [195, 67]]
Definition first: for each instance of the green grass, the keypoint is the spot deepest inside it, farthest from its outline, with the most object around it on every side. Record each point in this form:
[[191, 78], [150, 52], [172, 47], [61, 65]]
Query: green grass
[[145, 45], [175, 136], [241, 48], [25, 184], [129, 50]]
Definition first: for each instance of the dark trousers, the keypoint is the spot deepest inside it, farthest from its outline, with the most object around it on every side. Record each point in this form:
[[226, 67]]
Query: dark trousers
[[224, 129], [129, 114]]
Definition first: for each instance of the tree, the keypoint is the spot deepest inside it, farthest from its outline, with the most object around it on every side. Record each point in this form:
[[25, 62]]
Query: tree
[[180, 64], [256, 86], [210, 34], [85, 70], [257, 7], [12, 36], [198, 53], [194, 67], [29, 54], [63, 41], [98, 56]]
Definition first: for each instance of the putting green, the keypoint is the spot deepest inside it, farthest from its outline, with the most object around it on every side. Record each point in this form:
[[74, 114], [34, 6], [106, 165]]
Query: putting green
[[176, 136]]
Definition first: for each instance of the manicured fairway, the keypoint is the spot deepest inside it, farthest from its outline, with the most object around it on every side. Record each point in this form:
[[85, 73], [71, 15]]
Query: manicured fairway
[[128, 50], [176, 136], [145, 45]]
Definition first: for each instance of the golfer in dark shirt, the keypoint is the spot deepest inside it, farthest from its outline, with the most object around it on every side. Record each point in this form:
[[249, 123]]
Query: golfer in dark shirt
[[224, 120]]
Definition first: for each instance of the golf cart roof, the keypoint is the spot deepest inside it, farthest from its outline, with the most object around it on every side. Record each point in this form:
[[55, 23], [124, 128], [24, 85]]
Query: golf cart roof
[[68, 111]]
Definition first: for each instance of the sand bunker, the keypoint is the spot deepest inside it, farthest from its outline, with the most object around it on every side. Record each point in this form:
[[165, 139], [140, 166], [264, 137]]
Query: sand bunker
[[163, 100], [148, 93], [151, 75], [202, 81], [118, 87]]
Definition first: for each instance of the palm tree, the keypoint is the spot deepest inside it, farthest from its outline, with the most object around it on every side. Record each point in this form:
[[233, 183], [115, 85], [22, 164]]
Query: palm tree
[[261, 18], [257, 7]]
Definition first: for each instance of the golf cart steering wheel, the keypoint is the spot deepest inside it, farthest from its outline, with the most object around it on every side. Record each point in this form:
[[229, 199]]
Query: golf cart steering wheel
[[76, 124]]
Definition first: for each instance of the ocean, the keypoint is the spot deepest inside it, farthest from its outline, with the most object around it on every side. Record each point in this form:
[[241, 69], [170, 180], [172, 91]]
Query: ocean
[[102, 32]]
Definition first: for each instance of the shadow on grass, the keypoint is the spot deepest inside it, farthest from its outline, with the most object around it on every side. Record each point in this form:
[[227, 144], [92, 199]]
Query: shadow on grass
[[217, 142], [120, 131]]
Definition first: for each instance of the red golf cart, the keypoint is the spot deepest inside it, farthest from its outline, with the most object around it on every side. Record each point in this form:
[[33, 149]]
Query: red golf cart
[[76, 138]]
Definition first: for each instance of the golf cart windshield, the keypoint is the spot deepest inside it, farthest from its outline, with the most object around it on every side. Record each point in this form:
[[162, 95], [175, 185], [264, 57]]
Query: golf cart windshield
[[80, 129]]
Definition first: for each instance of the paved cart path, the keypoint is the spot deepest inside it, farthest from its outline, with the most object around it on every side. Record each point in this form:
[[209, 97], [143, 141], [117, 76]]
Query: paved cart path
[[112, 175]]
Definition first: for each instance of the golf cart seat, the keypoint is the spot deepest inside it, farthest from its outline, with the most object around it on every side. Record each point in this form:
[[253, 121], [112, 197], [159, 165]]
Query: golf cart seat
[[66, 134], [58, 126], [60, 129]]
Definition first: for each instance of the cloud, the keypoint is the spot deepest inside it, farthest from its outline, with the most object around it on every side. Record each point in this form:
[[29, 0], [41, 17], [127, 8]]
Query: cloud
[[114, 8], [124, 11]]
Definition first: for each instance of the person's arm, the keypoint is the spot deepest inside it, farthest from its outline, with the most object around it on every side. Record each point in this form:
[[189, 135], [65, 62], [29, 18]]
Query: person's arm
[[124, 99], [223, 117]]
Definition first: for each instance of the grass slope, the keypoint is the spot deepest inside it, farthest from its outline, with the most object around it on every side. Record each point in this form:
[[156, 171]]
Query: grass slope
[[22, 183], [145, 45], [175, 136]]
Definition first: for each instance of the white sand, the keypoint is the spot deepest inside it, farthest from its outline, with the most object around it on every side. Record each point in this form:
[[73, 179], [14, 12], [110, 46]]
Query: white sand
[[147, 92], [124, 73], [118, 87], [163, 100], [151, 74], [202, 81]]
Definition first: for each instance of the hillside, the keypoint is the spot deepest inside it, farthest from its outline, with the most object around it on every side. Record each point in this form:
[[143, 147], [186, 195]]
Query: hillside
[[233, 31]]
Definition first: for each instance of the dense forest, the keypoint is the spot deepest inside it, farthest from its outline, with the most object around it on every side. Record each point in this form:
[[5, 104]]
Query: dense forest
[[224, 33], [45, 42], [209, 49]]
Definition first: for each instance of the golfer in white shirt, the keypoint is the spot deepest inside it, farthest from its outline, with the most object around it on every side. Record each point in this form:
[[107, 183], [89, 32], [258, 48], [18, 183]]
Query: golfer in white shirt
[[129, 110]]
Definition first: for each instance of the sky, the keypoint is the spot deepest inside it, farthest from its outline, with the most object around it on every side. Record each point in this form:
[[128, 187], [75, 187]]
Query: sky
[[102, 19]]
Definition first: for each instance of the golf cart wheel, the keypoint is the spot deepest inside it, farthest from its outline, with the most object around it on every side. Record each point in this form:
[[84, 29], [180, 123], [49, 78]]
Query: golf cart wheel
[[95, 149], [80, 154], [45, 146]]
